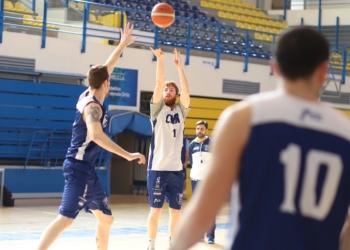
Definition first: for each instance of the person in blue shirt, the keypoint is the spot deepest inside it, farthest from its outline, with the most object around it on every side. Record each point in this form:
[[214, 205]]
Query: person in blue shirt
[[200, 158], [288, 155], [82, 188]]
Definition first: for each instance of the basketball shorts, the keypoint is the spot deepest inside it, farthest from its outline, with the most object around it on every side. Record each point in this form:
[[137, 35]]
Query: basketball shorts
[[82, 190], [165, 184]]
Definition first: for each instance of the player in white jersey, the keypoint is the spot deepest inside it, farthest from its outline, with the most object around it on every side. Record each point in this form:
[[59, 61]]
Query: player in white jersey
[[164, 175], [288, 152], [83, 189]]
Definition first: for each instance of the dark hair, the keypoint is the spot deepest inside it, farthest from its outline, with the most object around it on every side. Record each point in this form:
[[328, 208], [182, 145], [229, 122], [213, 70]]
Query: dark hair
[[97, 75], [202, 122], [300, 51]]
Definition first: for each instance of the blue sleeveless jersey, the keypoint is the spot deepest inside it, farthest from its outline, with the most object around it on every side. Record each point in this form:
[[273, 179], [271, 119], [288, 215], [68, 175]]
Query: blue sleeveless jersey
[[81, 147], [294, 182]]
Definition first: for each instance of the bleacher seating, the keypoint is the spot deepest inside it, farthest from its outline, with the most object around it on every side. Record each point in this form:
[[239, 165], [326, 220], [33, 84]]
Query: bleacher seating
[[204, 33], [36, 120]]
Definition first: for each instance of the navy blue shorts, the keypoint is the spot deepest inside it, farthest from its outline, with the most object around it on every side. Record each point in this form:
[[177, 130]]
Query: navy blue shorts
[[165, 184], [82, 189]]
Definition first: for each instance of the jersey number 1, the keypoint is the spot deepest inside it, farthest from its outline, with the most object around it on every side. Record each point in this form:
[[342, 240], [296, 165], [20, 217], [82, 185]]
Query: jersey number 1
[[174, 130], [291, 158]]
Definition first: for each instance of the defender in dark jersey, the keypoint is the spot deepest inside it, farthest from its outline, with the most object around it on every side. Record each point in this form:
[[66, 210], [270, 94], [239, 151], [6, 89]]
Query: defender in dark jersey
[[82, 188], [287, 152]]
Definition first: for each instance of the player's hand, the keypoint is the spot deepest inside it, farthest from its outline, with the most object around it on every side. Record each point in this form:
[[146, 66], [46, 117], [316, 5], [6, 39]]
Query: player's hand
[[141, 157], [185, 165], [177, 58], [157, 52], [126, 37]]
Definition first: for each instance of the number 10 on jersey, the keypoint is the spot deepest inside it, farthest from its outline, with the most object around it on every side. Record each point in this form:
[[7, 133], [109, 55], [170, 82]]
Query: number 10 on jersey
[[291, 158]]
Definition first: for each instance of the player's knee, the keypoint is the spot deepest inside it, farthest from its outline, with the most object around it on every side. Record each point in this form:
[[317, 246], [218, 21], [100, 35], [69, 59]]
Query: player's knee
[[155, 212], [107, 220], [175, 213], [65, 221]]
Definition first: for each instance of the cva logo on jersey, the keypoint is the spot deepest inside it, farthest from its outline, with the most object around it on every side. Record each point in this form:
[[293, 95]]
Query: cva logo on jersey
[[172, 119]]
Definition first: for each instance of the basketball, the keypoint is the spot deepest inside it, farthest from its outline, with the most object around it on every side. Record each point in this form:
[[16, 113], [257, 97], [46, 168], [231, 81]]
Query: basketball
[[163, 15]]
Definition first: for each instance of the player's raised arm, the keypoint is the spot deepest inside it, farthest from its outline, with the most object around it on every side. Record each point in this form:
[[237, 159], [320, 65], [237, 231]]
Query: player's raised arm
[[185, 91], [92, 115], [160, 76], [125, 40], [223, 170]]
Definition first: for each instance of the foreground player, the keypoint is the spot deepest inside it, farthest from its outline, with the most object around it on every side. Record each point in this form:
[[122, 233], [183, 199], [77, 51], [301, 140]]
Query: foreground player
[[165, 175], [82, 187], [288, 152]]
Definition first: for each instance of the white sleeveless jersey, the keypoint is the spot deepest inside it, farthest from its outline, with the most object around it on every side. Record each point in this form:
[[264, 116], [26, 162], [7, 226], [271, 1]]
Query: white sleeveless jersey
[[167, 139]]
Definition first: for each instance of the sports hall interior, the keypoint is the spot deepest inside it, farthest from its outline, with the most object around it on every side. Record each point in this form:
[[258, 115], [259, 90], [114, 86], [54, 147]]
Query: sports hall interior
[[46, 49]]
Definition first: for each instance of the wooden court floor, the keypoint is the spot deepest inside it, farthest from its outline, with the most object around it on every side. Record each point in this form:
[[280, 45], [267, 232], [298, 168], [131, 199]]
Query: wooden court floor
[[22, 225]]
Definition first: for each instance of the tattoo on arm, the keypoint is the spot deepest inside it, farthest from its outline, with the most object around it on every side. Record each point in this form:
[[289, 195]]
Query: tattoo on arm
[[94, 114]]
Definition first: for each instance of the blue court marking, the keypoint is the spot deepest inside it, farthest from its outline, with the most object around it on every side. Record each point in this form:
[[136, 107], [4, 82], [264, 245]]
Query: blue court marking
[[88, 233]]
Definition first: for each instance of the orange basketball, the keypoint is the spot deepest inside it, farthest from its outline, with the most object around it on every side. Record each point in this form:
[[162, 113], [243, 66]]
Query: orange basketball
[[163, 15]]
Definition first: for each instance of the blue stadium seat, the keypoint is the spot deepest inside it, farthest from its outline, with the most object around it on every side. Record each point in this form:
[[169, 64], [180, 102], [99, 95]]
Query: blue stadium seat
[[196, 35], [236, 51], [195, 9], [233, 40], [139, 7], [138, 16], [148, 27], [231, 31], [177, 6], [129, 15], [213, 20], [185, 24], [214, 28], [206, 36], [186, 7], [168, 41], [215, 38], [195, 26], [253, 53], [148, 8], [179, 43], [195, 16], [223, 29], [208, 47], [109, 2], [148, 18], [137, 26], [129, 6], [119, 4], [178, 32], [226, 49], [178, 13], [168, 31], [149, 2], [224, 39], [186, 15], [177, 23], [205, 27]]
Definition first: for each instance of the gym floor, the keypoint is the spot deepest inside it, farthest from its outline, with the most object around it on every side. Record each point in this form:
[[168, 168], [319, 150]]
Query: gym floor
[[22, 225]]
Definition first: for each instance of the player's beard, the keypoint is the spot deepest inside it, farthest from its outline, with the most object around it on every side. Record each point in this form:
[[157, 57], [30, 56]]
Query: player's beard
[[169, 101], [200, 135]]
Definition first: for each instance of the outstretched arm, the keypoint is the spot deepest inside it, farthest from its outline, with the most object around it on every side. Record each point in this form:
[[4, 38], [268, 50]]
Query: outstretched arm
[[160, 76], [185, 91], [92, 115], [223, 171], [125, 40]]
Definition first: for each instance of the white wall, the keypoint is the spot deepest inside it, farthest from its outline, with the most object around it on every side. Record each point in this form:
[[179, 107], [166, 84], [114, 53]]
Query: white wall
[[64, 56]]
